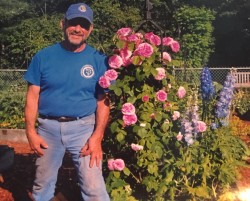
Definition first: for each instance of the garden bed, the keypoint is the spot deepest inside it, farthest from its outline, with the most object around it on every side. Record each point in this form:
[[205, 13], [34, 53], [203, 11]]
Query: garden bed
[[18, 180]]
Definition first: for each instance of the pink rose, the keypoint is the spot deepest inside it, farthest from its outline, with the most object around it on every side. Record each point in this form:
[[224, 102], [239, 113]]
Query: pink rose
[[136, 147], [181, 92], [179, 136], [201, 126], [167, 41], [166, 57], [176, 115], [128, 109], [129, 119], [138, 42], [161, 74], [144, 49], [110, 164], [123, 33], [127, 62], [153, 39], [117, 164], [125, 54], [145, 98], [111, 74], [175, 46], [148, 35], [139, 35], [115, 61], [133, 38], [104, 82], [161, 96]]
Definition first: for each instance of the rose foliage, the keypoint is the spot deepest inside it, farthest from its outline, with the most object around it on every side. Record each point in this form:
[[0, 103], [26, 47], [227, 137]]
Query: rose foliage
[[156, 146]]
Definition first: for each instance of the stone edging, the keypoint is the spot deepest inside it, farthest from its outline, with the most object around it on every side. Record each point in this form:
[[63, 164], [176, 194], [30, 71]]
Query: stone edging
[[13, 135]]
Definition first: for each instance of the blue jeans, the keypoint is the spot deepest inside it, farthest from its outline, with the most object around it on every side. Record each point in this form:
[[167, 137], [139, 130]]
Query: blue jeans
[[70, 136]]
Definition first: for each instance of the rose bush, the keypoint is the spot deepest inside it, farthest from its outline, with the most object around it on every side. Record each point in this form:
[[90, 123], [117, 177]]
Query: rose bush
[[157, 147]]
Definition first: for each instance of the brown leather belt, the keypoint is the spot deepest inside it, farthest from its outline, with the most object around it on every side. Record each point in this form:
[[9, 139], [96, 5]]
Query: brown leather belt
[[59, 119]]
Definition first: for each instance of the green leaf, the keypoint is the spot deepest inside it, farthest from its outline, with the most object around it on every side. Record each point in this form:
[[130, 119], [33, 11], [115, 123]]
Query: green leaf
[[118, 91], [126, 171], [169, 177], [120, 137], [114, 127], [120, 44], [117, 174]]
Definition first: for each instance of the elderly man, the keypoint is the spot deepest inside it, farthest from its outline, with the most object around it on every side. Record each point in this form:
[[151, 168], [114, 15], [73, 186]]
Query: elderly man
[[71, 108]]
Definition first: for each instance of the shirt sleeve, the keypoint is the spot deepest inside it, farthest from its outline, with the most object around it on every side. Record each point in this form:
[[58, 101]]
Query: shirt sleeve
[[33, 73]]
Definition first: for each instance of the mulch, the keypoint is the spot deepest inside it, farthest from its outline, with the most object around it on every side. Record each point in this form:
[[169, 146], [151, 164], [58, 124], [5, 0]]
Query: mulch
[[18, 180]]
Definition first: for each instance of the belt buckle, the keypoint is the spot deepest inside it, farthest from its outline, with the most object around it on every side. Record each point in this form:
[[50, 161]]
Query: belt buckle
[[62, 119]]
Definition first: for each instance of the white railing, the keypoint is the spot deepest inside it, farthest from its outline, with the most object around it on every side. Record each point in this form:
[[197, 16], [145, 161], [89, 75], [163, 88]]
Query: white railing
[[242, 79]]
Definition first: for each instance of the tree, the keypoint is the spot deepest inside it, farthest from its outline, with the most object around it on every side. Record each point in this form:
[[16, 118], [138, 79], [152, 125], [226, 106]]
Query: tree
[[11, 9], [109, 16], [36, 33], [195, 25]]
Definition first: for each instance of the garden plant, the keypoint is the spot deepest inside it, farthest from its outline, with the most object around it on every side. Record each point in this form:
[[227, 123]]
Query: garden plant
[[166, 140]]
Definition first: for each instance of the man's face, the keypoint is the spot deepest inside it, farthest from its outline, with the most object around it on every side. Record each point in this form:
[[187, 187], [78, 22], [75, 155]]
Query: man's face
[[77, 30]]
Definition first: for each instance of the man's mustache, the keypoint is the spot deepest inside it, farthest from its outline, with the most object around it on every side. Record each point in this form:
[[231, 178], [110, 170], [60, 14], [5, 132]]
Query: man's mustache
[[76, 33]]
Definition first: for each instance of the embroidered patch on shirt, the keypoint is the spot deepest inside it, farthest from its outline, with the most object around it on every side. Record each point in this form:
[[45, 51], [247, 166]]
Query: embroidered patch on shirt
[[87, 71]]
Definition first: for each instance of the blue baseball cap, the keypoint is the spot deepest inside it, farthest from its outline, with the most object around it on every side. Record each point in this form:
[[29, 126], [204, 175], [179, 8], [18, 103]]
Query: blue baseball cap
[[79, 10]]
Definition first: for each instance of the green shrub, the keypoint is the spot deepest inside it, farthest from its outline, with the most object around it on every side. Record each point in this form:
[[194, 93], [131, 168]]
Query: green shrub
[[173, 165], [12, 108], [242, 101]]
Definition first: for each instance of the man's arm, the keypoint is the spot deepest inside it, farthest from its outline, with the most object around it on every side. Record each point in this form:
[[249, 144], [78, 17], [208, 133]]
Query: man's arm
[[94, 144], [31, 109]]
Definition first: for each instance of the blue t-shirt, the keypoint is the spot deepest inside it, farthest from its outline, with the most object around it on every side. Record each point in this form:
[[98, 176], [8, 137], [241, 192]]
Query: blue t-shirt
[[68, 80]]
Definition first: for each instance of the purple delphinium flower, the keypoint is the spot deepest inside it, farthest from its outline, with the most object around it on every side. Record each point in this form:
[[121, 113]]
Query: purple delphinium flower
[[189, 121], [214, 126], [207, 87], [223, 105]]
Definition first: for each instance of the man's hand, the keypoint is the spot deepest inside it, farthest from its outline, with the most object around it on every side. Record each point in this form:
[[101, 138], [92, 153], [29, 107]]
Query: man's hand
[[37, 144], [93, 148]]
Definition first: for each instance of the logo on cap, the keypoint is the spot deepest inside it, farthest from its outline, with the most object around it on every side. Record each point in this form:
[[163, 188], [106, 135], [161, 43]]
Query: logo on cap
[[87, 71], [82, 8]]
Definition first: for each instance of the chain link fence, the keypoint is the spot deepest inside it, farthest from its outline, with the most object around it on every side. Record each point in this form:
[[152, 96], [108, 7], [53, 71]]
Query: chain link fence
[[12, 80], [192, 75], [13, 89], [12, 98]]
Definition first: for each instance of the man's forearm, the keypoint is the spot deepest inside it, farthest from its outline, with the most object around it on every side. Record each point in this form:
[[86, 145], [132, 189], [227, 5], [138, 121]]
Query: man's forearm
[[102, 117], [31, 108]]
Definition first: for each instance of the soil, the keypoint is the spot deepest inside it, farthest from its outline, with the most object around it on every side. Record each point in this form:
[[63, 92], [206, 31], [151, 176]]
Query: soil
[[18, 180]]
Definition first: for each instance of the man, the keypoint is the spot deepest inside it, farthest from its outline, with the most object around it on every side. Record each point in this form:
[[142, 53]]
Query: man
[[72, 108]]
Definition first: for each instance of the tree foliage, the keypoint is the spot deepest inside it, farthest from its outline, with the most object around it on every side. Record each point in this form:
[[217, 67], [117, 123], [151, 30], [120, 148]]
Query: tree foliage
[[25, 39], [196, 28], [11, 9], [192, 22]]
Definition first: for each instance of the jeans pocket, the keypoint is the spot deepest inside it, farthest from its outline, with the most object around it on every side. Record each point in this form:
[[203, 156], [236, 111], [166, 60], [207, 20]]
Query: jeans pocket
[[89, 120]]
